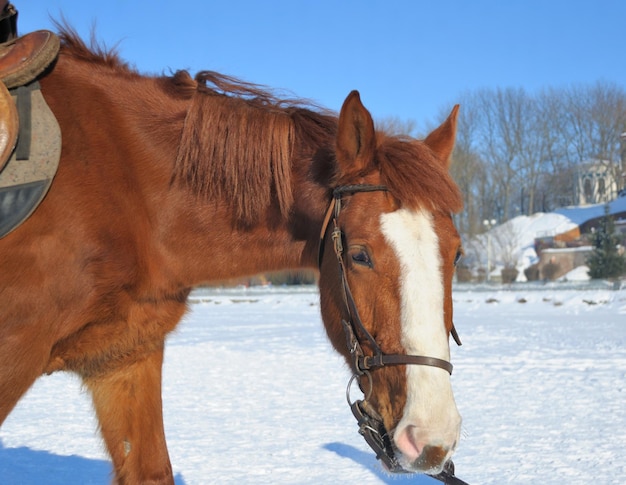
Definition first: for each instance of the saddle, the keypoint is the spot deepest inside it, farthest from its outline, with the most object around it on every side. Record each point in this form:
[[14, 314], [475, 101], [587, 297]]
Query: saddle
[[30, 137]]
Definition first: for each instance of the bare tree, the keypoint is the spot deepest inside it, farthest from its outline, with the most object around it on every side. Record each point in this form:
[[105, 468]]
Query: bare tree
[[593, 119], [468, 170], [609, 117], [503, 121], [518, 153]]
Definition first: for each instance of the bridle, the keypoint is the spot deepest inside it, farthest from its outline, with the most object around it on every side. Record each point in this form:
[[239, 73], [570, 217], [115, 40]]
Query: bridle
[[354, 326], [371, 425]]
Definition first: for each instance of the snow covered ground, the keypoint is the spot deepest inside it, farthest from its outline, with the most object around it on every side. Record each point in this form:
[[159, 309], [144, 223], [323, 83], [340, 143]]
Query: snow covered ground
[[254, 394]]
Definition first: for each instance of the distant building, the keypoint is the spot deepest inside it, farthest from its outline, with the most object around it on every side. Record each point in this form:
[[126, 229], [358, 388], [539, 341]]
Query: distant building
[[601, 181], [598, 182]]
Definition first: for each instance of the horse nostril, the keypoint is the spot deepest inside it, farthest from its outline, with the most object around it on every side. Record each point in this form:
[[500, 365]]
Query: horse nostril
[[432, 457]]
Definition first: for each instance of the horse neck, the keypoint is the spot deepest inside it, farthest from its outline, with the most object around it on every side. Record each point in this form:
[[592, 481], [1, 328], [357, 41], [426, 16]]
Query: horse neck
[[180, 238], [210, 246]]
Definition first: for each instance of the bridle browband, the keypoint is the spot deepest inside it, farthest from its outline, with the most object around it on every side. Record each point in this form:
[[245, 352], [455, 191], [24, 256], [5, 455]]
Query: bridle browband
[[371, 425]]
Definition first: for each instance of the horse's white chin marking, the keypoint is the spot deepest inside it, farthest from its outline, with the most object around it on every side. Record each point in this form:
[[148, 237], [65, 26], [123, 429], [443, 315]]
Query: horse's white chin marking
[[430, 417]]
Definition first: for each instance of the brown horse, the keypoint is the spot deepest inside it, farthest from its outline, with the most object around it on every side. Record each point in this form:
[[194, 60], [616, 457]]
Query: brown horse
[[169, 182]]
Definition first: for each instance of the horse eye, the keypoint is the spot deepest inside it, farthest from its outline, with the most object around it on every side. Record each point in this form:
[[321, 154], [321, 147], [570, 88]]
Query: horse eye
[[457, 258], [363, 258]]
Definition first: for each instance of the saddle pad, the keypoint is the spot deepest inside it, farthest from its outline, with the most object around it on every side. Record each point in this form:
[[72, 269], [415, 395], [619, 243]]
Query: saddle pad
[[24, 183]]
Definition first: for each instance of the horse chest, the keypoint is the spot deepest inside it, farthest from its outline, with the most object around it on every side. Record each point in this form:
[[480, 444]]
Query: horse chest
[[120, 333]]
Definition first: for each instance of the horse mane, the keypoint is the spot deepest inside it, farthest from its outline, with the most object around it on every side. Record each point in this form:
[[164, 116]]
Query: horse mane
[[239, 140], [94, 53], [248, 157]]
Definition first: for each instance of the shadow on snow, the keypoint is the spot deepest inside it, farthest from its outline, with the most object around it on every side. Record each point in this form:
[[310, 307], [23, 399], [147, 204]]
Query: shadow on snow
[[25, 466], [367, 460]]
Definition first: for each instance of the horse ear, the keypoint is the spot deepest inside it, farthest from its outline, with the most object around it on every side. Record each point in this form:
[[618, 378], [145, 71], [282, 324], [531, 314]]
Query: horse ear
[[441, 140], [356, 137]]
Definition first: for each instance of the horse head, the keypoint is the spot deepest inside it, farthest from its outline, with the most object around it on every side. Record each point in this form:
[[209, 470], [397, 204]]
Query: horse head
[[386, 298]]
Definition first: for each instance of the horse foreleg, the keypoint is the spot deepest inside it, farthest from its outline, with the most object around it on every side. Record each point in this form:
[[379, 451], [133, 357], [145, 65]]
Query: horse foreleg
[[127, 402], [22, 359]]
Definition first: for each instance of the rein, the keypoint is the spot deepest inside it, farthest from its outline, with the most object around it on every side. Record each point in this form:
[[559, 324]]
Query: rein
[[371, 425]]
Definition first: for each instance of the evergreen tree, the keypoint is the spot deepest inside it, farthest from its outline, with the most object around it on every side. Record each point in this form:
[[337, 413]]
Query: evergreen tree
[[605, 260]]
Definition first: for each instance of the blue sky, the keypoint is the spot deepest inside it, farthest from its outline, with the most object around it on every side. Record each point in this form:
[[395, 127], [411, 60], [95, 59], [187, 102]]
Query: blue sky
[[410, 59]]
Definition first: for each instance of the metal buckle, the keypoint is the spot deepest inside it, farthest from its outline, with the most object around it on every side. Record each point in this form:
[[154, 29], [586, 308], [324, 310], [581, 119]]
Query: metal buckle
[[375, 434]]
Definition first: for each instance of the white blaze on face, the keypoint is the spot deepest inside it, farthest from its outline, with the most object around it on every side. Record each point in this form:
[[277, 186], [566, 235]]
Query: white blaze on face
[[430, 415]]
